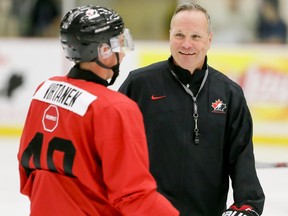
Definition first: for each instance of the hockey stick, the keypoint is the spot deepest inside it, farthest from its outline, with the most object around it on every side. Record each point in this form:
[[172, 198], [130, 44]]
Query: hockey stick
[[271, 165]]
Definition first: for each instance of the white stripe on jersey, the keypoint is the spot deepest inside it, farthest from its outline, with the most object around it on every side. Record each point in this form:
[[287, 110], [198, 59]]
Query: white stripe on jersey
[[65, 95]]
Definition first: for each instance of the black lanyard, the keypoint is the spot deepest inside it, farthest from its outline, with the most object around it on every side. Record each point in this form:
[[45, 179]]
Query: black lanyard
[[194, 98]]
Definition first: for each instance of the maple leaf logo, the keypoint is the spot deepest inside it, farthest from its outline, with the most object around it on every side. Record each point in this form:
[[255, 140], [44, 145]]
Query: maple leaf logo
[[219, 106]]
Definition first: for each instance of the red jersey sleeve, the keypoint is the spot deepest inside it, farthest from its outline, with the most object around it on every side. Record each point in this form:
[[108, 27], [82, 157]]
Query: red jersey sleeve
[[124, 155]]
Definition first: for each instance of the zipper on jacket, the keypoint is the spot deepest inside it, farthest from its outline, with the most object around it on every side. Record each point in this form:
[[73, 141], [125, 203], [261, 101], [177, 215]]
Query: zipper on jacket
[[195, 107]]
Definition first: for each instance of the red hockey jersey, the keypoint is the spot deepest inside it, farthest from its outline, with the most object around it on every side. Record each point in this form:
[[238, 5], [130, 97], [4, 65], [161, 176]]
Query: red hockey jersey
[[83, 152]]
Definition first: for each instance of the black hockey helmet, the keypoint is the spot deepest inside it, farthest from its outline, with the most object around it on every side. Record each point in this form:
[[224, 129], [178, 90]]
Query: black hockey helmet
[[85, 28]]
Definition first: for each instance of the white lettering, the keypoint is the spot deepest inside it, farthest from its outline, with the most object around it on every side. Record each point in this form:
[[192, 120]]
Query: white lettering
[[52, 118]]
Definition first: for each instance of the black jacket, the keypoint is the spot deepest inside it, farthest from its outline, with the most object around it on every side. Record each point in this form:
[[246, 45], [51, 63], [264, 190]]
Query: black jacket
[[195, 177]]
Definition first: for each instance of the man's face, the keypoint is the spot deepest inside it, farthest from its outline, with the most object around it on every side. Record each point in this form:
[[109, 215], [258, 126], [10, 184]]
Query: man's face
[[190, 39]]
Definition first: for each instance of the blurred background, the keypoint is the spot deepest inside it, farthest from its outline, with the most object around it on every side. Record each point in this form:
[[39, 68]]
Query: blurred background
[[234, 21], [249, 45]]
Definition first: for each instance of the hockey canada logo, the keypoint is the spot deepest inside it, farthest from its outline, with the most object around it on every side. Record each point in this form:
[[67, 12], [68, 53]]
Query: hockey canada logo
[[219, 107], [91, 14]]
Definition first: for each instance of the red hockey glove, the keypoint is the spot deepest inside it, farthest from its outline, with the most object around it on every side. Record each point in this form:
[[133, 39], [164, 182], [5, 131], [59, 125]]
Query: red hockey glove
[[244, 210]]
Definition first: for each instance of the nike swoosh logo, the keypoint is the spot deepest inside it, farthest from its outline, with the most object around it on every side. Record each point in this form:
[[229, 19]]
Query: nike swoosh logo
[[153, 97]]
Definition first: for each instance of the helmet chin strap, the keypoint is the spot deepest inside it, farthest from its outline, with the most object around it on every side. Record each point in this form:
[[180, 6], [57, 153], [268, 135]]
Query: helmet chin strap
[[114, 68]]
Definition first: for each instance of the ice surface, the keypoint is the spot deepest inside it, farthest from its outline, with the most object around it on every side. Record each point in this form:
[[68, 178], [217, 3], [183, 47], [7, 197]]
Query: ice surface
[[274, 180]]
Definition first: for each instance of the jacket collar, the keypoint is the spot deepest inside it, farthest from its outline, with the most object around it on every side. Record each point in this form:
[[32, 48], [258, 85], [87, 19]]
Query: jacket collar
[[193, 81], [77, 73]]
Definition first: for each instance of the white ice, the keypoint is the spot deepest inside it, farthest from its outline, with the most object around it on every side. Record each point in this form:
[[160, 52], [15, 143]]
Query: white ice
[[273, 180]]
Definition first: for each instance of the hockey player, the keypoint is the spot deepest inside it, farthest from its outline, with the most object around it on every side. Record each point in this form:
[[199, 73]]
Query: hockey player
[[83, 148], [198, 125]]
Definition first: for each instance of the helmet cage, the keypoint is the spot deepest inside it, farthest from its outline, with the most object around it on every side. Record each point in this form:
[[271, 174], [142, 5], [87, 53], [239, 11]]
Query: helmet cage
[[122, 43], [85, 28]]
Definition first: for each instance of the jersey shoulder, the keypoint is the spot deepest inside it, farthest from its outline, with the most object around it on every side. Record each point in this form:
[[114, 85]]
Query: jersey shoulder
[[87, 94]]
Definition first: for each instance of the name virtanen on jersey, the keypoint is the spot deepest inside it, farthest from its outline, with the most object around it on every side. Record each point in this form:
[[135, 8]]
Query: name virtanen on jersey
[[65, 95]]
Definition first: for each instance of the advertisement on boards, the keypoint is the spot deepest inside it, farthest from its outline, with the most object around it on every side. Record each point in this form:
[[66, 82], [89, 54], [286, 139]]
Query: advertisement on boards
[[262, 72]]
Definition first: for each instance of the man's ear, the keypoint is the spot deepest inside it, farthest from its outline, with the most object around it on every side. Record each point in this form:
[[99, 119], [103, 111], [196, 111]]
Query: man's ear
[[104, 51]]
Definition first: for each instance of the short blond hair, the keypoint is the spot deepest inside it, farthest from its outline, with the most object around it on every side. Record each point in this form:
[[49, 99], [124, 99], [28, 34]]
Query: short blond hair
[[189, 6]]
